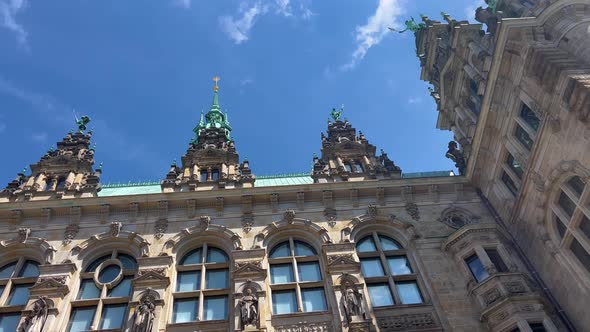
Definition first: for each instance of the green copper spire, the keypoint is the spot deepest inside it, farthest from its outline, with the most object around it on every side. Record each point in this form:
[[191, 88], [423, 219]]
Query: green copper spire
[[214, 118]]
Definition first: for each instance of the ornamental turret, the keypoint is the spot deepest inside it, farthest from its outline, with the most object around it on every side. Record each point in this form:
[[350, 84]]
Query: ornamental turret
[[347, 156], [211, 160], [62, 173]]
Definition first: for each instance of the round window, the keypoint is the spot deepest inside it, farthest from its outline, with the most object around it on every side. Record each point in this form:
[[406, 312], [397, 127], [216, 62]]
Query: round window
[[109, 273]]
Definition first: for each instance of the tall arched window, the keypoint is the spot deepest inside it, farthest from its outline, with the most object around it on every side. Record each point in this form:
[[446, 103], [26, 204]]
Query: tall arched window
[[202, 286], [572, 219], [104, 294], [387, 271], [296, 278], [15, 280]]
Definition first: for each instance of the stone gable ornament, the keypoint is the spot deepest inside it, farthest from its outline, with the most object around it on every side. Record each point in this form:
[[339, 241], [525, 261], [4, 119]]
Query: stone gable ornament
[[248, 304], [143, 317], [23, 234], [70, 233], [205, 222], [413, 211], [372, 210], [160, 228], [116, 228], [35, 320], [289, 215]]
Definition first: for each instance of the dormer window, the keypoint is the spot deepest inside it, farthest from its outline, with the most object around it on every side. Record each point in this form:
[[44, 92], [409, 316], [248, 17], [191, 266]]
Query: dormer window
[[61, 183], [348, 167], [358, 167], [203, 176], [215, 175]]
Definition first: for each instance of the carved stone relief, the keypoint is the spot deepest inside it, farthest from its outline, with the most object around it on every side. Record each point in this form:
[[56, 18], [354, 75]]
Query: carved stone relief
[[37, 316], [143, 317], [413, 211], [160, 228], [406, 322]]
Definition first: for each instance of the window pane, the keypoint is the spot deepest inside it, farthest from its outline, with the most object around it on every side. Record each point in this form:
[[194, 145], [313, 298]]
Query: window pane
[[303, 249], [19, 294], [109, 273], [309, 271], [216, 279], [566, 204], [380, 295], [529, 117], [6, 270], [560, 226], [388, 244], [281, 250], [313, 299], [185, 310], [497, 260], [215, 255], [215, 175], [188, 281], [203, 176], [92, 267], [399, 265], [281, 273], [577, 185], [408, 292], [29, 270], [366, 245], [347, 167], [358, 167], [476, 268], [1, 289], [537, 327], [9, 322], [215, 308], [585, 226], [514, 166], [523, 137], [113, 316], [88, 290], [284, 302], [581, 254], [371, 267], [128, 262], [193, 257], [509, 183], [123, 289], [81, 319]]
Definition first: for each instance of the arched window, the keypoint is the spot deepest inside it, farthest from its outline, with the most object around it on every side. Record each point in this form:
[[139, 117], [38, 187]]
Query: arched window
[[104, 294], [202, 286], [296, 278], [215, 174], [204, 176], [15, 280], [387, 271], [572, 219]]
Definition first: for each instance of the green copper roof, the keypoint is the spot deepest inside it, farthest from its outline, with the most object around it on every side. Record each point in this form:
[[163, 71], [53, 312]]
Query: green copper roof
[[122, 189], [283, 180], [214, 118]]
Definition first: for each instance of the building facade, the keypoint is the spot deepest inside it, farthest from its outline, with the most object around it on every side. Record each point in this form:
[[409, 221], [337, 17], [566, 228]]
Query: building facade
[[355, 245]]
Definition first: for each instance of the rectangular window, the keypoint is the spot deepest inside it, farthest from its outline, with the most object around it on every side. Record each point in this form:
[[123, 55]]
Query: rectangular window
[[215, 308], [566, 204], [399, 265], [408, 292], [188, 281], [523, 137], [9, 322], [380, 295], [216, 279], [19, 294], [81, 319], [123, 289], [497, 260], [372, 267], [309, 271], [509, 183], [514, 166], [113, 316], [284, 302], [476, 267], [185, 310], [203, 176], [88, 290], [584, 227], [313, 299], [537, 327], [281, 273], [529, 117], [580, 254]]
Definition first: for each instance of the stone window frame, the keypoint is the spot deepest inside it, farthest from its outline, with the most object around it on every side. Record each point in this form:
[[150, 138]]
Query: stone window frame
[[480, 251], [202, 292], [104, 299], [6, 284], [523, 325], [296, 284], [389, 278], [572, 231]]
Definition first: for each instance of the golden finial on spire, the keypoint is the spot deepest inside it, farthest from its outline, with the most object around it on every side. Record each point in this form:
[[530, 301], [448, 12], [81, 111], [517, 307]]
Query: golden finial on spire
[[216, 87]]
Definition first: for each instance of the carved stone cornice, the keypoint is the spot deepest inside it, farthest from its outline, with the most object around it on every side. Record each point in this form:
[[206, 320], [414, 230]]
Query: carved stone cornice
[[152, 277], [343, 262], [249, 270], [467, 230]]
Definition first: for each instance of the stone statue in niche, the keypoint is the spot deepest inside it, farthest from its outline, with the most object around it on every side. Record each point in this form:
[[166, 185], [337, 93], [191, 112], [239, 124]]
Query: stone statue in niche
[[35, 320], [352, 301], [143, 318], [248, 309]]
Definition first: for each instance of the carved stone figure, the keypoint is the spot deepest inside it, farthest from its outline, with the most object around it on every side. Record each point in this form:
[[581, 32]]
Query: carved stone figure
[[35, 320], [23, 234], [456, 155], [143, 318], [352, 300], [248, 309], [116, 228]]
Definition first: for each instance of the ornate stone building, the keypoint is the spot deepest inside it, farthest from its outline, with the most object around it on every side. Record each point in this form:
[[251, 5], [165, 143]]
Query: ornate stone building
[[357, 244]]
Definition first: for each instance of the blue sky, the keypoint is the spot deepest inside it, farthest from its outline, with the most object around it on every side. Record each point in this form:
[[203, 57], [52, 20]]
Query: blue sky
[[142, 71]]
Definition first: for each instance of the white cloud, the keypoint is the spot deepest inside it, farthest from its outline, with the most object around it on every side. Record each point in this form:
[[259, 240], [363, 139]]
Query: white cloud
[[375, 30], [414, 100], [284, 8], [239, 29], [183, 3], [246, 81], [8, 11], [39, 137], [470, 10]]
